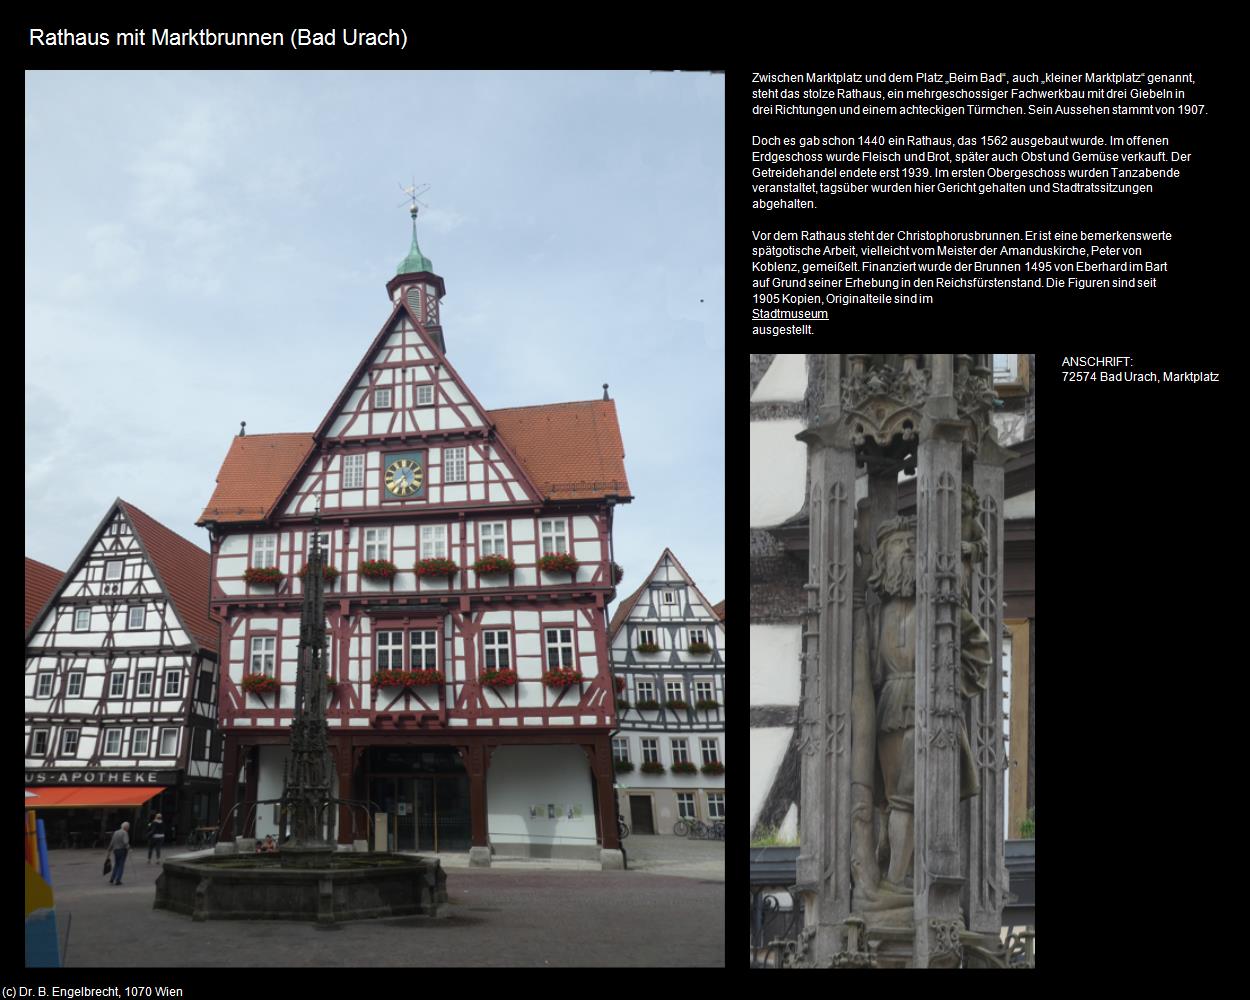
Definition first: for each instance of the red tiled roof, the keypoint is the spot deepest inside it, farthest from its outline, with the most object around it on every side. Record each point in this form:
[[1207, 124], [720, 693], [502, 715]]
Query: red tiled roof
[[623, 609], [41, 584], [183, 568], [720, 610], [253, 475], [570, 450]]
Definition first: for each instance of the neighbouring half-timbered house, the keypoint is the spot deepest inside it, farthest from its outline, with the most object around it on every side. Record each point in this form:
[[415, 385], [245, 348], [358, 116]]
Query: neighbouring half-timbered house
[[41, 583], [121, 697], [668, 658], [470, 556]]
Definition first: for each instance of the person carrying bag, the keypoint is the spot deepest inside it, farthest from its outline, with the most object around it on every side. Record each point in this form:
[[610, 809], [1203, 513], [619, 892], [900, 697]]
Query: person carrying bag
[[119, 846]]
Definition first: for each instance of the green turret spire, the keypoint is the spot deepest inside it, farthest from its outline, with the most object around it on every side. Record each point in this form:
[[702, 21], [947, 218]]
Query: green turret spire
[[416, 260]]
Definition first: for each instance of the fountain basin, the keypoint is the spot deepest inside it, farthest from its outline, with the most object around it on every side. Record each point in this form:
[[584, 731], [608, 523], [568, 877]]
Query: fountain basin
[[258, 887]]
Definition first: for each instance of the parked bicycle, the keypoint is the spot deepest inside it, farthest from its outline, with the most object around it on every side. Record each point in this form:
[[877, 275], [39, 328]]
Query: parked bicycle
[[695, 829], [622, 830], [202, 837]]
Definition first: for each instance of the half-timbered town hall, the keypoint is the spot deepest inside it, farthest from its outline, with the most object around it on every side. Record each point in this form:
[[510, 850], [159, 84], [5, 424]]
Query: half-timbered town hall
[[470, 566], [121, 698], [668, 657]]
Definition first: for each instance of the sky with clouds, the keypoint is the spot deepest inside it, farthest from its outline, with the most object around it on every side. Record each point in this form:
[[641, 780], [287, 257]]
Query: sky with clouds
[[206, 248]]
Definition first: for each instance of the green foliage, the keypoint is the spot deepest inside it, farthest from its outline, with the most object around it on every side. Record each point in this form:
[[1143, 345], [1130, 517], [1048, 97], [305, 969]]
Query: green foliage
[[1027, 828], [768, 837]]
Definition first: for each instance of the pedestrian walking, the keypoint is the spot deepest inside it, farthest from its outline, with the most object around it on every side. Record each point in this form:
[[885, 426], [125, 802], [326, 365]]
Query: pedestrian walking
[[156, 837], [120, 846]]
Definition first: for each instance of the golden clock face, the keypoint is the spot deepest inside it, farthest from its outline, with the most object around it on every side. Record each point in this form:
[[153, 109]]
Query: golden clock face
[[403, 477]]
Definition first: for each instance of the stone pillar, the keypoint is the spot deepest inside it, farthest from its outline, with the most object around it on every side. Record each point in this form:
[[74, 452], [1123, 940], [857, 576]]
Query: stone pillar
[[986, 866], [937, 877], [605, 794], [824, 864], [475, 758]]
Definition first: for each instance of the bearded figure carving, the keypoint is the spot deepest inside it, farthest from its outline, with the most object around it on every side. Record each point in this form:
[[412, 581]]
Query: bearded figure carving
[[884, 707]]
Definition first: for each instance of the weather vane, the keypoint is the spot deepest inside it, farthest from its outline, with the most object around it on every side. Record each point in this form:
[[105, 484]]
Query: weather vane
[[412, 190]]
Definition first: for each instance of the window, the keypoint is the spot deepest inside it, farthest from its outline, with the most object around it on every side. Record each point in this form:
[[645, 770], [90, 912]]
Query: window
[[453, 465], [69, 743], [199, 743], [497, 650], [698, 635], [112, 742], [703, 690], [353, 472], [559, 647], [377, 543], [74, 687], [1011, 374], [138, 616], [650, 750], [433, 541], [43, 687], [390, 647], [204, 686], [117, 684], [668, 596], [555, 537], [492, 539], [173, 683], [715, 805], [685, 805], [324, 537], [1006, 368], [672, 691], [169, 742], [710, 752], [681, 751], [646, 636], [262, 654], [113, 569], [424, 649], [381, 399], [39, 742], [425, 395], [144, 688], [646, 690], [620, 748], [265, 551], [139, 742], [82, 619]]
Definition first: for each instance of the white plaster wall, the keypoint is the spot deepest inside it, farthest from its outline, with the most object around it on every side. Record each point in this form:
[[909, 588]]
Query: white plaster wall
[[768, 747], [778, 471], [1021, 506], [520, 777], [785, 380], [775, 664]]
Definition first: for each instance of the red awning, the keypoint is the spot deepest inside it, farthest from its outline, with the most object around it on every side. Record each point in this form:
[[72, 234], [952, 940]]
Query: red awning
[[62, 797]]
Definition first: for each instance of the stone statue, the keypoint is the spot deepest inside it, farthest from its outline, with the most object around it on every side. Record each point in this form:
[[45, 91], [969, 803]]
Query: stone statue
[[884, 660]]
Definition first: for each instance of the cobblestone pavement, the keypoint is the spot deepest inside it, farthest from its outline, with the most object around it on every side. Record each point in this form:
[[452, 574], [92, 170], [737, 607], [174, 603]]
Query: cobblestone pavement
[[543, 914]]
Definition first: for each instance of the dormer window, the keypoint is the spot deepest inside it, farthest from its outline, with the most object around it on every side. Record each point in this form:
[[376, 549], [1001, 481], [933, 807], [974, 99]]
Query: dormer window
[[381, 399]]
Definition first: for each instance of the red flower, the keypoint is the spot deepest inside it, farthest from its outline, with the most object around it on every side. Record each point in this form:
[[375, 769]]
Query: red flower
[[493, 564], [562, 677], [560, 562], [266, 575], [499, 678], [378, 569], [436, 567]]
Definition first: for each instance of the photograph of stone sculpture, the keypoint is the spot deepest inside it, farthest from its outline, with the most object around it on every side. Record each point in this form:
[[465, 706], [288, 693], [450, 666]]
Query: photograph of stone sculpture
[[892, 554]]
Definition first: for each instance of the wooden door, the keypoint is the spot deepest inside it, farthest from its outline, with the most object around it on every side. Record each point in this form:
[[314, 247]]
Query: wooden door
[[640, 816]]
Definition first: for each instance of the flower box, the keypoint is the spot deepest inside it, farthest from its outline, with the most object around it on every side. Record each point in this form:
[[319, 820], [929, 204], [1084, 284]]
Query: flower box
[[698, 648], [260, 684], [716, 767], [706, 705], [328, 573], [493, 566], [265, 575], [499, 678], [378, 569], [647, 647], [560, 562], [648, 703], [436, 567], [424, 678], [624, 765], [683, 767], [621, 704], [563, 677], [391, 678], [676, 704], [618, 573], [651, 767]]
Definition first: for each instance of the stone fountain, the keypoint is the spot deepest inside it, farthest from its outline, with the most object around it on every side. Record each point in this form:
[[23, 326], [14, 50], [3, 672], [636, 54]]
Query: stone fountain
[[307, 878]]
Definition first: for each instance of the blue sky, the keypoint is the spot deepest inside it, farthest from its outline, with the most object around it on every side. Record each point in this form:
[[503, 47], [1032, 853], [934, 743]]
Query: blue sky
[[205, 248]]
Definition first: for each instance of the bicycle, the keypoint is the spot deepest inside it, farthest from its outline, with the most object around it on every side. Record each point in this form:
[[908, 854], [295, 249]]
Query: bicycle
[[693, 828], [201, 837], [622, 830]]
